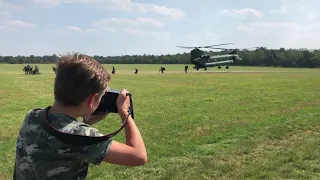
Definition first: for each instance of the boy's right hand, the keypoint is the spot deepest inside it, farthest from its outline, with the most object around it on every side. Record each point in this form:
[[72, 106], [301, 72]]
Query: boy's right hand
[[133, 152], [123, 102]]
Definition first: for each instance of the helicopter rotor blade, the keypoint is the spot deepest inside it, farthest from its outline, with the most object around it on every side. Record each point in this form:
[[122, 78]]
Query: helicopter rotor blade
[[218, 45], [220, 48], [236, 49], [250, 48], [189, 47], [186, 47]]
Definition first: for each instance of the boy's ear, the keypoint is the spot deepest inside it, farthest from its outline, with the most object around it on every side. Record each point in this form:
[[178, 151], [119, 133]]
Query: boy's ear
[[93, 99]]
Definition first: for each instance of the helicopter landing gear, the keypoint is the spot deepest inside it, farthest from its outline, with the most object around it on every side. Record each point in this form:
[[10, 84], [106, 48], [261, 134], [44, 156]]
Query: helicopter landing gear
[[219, 67], [227, 67], [205, 68]]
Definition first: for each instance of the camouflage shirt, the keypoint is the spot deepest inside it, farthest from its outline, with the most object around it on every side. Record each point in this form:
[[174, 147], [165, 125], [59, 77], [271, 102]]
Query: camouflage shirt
[[42, 156]]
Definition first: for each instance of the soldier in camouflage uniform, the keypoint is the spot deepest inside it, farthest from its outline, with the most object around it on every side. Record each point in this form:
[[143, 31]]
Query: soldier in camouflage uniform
[[39, 155]]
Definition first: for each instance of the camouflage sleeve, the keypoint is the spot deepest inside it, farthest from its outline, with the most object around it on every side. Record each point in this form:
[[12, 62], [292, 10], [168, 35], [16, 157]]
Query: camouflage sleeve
[[93, 153]]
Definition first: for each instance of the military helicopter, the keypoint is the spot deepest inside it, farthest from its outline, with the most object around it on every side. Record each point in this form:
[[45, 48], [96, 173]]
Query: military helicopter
[[201, 60]]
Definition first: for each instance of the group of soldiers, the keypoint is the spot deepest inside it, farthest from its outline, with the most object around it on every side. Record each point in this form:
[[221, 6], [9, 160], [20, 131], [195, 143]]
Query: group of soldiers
[[162, 69], [114, 70], [29, 70]]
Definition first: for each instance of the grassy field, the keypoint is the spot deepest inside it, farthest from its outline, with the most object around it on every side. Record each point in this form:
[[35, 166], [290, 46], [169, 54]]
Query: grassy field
[[244, 123]]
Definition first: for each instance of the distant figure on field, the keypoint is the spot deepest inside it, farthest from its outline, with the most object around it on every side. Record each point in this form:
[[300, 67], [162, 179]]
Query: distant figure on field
[[30, 70], [36, 70], [113, 70], [54, 70], [26, 69], [186, 69], [162, 69], [136, 72]]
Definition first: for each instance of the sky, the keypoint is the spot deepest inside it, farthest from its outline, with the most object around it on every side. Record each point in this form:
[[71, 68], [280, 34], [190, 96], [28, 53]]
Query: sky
[[135, 27]]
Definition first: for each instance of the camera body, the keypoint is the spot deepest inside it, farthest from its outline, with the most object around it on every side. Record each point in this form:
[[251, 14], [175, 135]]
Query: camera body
[[109, 102]]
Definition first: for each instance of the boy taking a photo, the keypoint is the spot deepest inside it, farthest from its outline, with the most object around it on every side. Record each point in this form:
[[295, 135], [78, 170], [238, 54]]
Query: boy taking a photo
[[79, 85]]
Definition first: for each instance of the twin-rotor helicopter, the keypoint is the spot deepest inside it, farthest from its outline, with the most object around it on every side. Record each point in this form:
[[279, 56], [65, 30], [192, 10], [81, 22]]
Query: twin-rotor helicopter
[[201, 60]]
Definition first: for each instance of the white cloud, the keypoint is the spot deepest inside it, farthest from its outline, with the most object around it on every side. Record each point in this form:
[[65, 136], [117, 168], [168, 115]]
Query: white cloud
[[70, 30], [138, 32], [210, 32], [130, 22], [161, 10], [113, 25], [133, 31], [6, 22], [243, 13], [124, 5], [18, 24], [312, 15], [288, 27], [4, 15], [75, 29], [277, 34], [282, 10], [48, 2], [294, 6], [7, 6], [212, 35]]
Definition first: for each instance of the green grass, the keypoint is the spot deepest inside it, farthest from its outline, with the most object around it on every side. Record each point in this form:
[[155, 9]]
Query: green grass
[[244, 123]]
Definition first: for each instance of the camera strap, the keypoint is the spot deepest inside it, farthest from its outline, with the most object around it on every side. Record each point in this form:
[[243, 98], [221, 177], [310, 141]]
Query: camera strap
[[73, 139]]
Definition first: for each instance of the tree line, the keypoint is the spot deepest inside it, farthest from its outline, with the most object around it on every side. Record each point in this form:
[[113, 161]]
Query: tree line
[[302, 58]]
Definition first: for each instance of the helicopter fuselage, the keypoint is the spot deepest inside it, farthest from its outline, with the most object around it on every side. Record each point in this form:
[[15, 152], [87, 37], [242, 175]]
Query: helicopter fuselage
[[213, 61], [202, 60]]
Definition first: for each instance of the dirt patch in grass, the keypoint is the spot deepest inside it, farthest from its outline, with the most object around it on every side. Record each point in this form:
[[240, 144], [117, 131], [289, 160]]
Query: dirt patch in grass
[[4, 176], [280, 144], [203, 131], [295, 108]]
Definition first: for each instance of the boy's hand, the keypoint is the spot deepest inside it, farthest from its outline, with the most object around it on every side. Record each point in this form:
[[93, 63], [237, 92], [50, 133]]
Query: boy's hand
[[94, 118], [123, 102]]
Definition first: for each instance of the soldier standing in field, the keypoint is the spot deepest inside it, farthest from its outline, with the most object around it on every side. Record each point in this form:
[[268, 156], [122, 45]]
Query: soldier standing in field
[[186, 69], [162, 69], [113, 70], [54, 70]]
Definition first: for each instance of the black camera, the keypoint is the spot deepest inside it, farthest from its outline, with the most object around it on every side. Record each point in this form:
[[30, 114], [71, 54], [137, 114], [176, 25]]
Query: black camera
[[109, 102]]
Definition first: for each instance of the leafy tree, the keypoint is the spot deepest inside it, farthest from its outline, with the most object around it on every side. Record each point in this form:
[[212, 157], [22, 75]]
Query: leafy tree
[[259, 57]]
